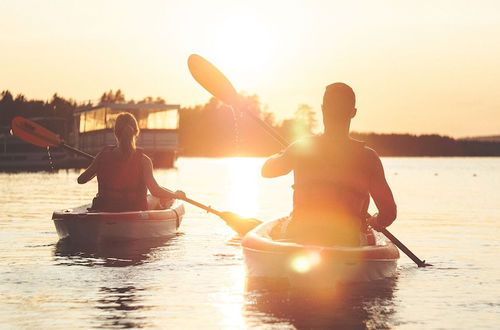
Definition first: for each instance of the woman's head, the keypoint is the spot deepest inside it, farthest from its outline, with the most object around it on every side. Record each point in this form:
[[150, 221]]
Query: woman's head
[[126, 131]]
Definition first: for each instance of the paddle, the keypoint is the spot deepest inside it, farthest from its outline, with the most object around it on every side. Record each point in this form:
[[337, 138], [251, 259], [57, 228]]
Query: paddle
[[402, 247], [210, 78], [38, 135]]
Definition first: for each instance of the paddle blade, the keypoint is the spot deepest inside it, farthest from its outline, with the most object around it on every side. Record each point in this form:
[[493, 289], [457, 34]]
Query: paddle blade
[[34, 133], [210, 78], [239, 224]]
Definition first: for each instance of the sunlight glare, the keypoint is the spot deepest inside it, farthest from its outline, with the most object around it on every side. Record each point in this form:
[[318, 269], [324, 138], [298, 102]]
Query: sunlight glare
[[244, 47], [301, 264], [230, 303], [243, 186], [304, 263]]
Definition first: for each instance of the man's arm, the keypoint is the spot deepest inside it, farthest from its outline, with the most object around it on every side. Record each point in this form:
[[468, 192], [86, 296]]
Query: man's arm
[[382, 196], [277, 165]]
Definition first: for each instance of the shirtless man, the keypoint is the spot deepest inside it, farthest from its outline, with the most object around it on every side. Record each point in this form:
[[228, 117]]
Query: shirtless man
[[334, 177]]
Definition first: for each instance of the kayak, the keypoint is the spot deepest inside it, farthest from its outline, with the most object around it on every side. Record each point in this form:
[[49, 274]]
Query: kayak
[[81, 225], [306, 265]]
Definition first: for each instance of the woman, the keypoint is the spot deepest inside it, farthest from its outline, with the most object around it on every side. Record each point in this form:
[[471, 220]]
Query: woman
[[125, 173]]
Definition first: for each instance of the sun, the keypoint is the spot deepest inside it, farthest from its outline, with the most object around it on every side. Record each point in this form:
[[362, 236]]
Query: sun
[[243, 46]]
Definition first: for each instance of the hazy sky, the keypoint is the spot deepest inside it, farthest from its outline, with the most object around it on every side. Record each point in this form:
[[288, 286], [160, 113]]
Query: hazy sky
[[416, 66]]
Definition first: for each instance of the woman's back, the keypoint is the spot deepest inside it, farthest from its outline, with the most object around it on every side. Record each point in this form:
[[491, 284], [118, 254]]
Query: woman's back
[[121, 181], [124, 173]]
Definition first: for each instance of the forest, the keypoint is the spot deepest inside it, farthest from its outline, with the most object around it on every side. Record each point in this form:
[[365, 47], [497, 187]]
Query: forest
[[216, 130]]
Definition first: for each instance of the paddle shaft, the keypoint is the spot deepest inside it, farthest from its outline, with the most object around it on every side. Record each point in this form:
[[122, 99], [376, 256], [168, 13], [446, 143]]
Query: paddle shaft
[[402, 247], [81, 153], [271, 131], [202, 206]]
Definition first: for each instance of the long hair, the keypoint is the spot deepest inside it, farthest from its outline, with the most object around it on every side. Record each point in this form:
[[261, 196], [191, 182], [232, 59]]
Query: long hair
[[126, 131]]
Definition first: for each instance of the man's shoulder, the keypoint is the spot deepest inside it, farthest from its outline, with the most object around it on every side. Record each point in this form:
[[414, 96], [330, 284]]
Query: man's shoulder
[[370, 153], [371, 158], [304, 145], [305, 140]]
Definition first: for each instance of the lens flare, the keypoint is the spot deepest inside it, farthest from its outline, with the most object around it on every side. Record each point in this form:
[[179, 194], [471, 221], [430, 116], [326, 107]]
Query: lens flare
[[304, 263], [301, 264]]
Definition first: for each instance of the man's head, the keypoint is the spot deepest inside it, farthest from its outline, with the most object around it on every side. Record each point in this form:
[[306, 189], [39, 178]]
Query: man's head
[[339, 104]]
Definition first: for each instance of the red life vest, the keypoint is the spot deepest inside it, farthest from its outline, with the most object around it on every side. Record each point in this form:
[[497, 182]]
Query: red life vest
[[121, 182]]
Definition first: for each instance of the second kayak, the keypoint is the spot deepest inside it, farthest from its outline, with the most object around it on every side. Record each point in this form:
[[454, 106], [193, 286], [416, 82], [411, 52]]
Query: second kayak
[[81, 225]]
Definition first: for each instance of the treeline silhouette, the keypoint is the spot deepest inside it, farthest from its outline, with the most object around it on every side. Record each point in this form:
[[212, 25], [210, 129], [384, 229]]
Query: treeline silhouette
[[215, 130], [57, 107], [426, 145]]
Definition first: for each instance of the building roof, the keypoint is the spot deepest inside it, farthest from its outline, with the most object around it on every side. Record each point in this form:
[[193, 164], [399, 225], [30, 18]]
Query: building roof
[[130, 106]]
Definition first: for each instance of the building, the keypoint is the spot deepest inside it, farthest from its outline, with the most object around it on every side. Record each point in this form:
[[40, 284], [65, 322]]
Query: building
[[159, 124]]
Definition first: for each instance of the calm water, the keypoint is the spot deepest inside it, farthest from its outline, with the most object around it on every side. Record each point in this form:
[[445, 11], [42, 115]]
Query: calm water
[[449, 214]]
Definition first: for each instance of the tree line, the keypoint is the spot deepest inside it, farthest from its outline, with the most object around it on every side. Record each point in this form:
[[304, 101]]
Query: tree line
[[216, 130]]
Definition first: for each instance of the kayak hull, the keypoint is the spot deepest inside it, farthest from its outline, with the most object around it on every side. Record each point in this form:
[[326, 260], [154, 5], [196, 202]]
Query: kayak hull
[[82, 226], [305, 265]]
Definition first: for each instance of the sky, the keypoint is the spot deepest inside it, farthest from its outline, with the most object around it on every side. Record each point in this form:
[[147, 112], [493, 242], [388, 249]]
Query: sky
[[419, 67]]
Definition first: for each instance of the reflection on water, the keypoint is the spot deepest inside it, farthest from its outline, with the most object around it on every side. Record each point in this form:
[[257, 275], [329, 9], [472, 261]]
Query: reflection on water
[[117, 254], [197, 280], [123, 305], [348, 306], [243, 187], [118, 308]]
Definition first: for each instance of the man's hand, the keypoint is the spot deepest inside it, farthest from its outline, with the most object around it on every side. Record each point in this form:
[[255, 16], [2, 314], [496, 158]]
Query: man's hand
[[373, 222]]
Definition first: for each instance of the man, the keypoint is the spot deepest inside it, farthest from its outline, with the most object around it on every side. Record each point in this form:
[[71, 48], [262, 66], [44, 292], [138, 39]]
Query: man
[[334, 177]]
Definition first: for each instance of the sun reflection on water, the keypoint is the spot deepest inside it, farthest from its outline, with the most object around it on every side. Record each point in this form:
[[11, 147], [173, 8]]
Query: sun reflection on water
[[243, 189], [231, 301]]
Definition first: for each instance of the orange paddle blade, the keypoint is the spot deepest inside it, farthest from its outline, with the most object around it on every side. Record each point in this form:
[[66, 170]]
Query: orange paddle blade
[[210, 78], [239, 224], [34, 133]]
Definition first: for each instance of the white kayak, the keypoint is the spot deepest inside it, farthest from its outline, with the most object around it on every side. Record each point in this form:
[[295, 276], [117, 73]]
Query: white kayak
[[81, 225], [310, 265]]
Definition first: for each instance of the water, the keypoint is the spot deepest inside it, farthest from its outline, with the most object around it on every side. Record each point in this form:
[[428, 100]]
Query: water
[[449, 214]]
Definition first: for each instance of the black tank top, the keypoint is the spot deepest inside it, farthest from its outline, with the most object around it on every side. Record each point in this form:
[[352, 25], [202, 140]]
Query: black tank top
[[120, 180]]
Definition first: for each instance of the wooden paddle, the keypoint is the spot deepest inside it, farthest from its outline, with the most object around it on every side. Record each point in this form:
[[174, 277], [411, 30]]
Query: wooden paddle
[[214, 81], [38, 135]]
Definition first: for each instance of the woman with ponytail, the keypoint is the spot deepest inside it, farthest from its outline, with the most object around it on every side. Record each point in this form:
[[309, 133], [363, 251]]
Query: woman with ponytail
[[124, 173]]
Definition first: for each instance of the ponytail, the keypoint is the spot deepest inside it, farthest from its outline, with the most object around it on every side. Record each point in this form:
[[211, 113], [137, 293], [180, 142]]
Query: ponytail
[[126, 131]]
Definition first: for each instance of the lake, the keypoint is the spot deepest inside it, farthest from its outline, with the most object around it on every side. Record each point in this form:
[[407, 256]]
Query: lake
[[448, 214]]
